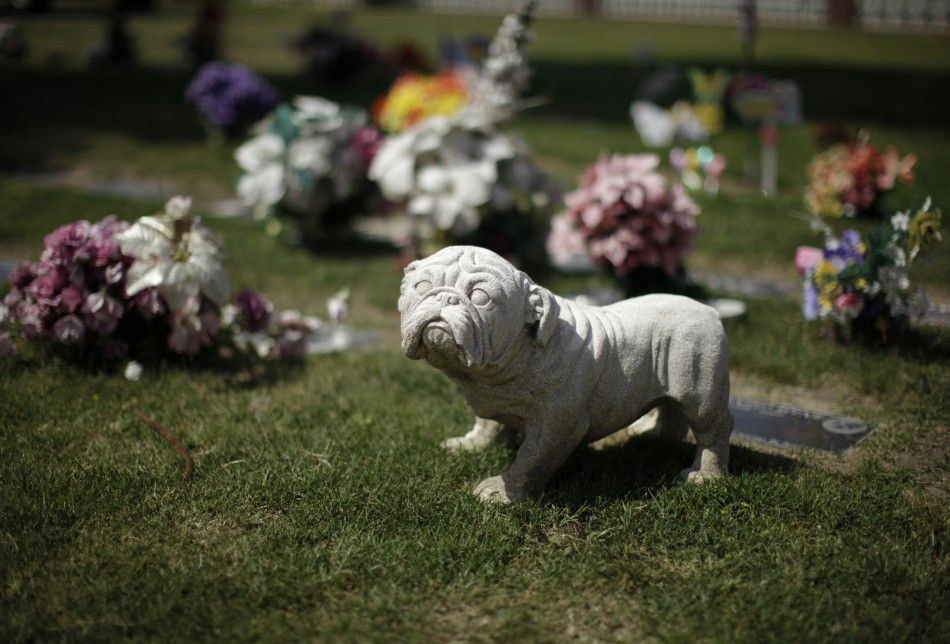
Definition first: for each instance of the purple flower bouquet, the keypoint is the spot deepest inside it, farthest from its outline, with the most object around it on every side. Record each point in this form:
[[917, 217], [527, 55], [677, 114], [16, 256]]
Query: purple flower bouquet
[[231, 97], [112, 290]]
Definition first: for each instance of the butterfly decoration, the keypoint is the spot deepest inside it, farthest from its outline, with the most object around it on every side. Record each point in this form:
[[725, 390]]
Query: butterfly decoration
[[709, 87]]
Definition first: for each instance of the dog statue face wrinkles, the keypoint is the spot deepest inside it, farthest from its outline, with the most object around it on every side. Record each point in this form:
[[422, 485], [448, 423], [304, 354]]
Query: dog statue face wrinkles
[[464, 309]]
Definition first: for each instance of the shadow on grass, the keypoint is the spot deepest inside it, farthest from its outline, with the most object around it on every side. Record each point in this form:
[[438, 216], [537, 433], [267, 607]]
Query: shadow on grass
[[352, 246], [893, 96], [922, 345], [46, 109], [237, 372], [638, 468]]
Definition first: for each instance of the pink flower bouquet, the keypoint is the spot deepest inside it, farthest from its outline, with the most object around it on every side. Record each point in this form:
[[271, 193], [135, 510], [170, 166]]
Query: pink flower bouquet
[[628, 216]]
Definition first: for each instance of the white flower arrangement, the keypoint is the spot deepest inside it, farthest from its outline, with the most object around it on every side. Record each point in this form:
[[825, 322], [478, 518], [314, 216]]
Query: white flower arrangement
[[444, 171], [451, 171], [305, 157]]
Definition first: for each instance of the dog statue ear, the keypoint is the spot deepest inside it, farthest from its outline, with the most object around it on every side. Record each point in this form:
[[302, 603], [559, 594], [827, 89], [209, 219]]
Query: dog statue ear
[[402, 286], [543, 312]]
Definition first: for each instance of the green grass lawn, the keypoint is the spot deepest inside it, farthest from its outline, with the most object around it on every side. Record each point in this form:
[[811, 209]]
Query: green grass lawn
[[321, 506]]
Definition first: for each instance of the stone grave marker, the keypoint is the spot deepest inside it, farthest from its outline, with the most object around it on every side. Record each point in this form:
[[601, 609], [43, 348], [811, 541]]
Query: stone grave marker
[[790, 428]]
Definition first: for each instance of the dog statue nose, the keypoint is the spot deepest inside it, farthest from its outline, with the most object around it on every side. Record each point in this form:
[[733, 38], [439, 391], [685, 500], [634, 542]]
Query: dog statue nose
[[447, 298]]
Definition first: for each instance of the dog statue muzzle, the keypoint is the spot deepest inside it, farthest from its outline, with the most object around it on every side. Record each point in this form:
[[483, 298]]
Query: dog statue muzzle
[[440, 328]]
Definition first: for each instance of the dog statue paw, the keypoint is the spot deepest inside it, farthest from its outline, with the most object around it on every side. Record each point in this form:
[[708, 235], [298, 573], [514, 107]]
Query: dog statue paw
[[565, 373], [493, 490]]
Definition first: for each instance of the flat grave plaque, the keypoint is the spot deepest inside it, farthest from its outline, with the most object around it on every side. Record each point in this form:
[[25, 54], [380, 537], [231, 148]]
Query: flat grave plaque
[[791, 428]]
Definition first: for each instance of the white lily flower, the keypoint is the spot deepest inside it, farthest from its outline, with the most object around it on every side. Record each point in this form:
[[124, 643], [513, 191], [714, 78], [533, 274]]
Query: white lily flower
[[266, 187], [312, 155], [318, 112], [176, 254], [178, 207], [259, 152], [894, 284], [260, 342], [262, 159], [394, 165]]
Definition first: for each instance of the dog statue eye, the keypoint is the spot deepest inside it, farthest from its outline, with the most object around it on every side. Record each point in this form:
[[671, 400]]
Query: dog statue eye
[[480, 297], [423, 286]]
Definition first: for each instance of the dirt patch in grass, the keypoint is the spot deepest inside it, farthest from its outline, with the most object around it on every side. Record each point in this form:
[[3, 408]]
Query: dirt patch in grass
[[927, 458], [582, 620]]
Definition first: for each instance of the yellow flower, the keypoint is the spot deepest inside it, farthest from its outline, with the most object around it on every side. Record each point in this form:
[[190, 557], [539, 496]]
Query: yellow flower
[[826, 279], [823, 202], [923, 230], [415, 97]]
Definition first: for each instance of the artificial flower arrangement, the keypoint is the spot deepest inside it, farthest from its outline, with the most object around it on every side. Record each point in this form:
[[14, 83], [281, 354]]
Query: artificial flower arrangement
[[699, 168], [110, 291], [459, 176], [462, 183], [629, 219], [230, 97], [308, 160], [860, 283], [848, 179]]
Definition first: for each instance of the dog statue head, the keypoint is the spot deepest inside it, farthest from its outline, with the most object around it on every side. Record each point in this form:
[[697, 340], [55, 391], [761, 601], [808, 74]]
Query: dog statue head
[[466, 309]]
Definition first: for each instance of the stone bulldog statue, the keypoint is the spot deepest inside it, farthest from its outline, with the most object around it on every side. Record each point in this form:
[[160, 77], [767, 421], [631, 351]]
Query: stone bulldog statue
[[564, 373]]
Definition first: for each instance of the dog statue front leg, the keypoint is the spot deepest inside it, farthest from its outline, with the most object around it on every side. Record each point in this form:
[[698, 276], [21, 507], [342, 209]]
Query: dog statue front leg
[[545, 448], [483, 433]]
